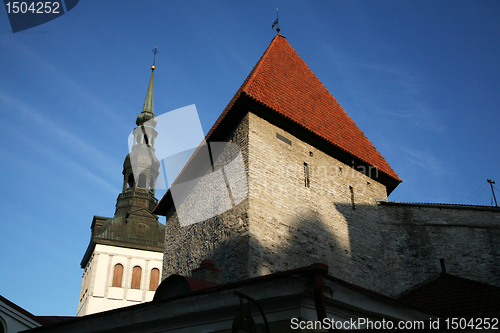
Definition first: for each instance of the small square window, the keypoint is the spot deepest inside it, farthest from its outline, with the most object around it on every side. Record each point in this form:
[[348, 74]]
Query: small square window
[[282, 138]]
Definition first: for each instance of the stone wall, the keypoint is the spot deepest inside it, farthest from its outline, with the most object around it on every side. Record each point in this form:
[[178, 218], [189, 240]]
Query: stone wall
[[304, 207], [417, 237], [287, 221], [329, 218], [223, 238]]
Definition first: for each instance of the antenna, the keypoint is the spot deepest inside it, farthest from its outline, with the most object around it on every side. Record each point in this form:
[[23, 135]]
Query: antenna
[[491, 184], [276, 22]]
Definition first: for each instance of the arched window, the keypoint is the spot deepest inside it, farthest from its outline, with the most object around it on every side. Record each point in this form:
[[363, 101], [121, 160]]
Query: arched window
[[141, 182], [138, 135], [3, 325], [136, 278], [130, 180], [155, 278], [117, 275], [152, 184]]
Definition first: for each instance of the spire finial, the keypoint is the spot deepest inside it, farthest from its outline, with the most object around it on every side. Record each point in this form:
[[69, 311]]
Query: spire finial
[[276, 22], [155, 51], [148, 109]]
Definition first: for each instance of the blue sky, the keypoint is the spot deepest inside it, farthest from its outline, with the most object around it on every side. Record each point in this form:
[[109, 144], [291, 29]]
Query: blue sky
[[420, 78]]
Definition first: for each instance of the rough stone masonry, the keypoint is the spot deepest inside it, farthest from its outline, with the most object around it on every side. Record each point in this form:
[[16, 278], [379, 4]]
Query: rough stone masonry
[[304, 207]]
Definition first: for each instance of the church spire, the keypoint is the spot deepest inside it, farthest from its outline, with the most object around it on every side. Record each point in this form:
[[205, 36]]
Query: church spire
[[148, 108], [140, 169]]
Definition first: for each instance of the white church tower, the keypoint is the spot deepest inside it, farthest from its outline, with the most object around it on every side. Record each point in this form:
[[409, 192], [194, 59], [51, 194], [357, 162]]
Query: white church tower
[[124, 258]]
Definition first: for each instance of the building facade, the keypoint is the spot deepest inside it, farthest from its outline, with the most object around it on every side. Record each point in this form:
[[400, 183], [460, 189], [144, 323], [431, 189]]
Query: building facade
[[318, 193], [309, 236]]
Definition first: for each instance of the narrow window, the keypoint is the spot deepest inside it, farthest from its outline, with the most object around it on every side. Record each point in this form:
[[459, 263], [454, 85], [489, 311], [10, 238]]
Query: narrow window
[[117, 275], [152, 183], [130, 180], [352, 198], [155, 278], [307, 182], [136, 278], [443, 266]]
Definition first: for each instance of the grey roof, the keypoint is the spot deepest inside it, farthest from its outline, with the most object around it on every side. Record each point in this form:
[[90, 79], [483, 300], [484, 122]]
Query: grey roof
[[139, 227], [438, 205]]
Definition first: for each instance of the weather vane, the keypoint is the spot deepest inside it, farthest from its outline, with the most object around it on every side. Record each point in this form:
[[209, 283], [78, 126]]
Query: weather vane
[[276, 22], [155, 51]]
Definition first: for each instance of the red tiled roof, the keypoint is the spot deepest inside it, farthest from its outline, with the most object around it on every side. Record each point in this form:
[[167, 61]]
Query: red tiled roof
[[282, 81], [452, 296]]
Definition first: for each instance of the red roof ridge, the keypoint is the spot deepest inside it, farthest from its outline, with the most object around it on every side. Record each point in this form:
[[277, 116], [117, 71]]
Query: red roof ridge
[[255, 70], [239, 91], [283, 82], [305, 101]]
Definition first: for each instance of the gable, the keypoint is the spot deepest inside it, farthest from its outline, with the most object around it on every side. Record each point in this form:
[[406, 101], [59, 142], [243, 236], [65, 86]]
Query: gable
[[282, 82], [283, 87]]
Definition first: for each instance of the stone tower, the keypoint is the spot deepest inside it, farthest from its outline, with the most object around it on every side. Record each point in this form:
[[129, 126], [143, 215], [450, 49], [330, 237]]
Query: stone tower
[[124, 258], [310, 172]]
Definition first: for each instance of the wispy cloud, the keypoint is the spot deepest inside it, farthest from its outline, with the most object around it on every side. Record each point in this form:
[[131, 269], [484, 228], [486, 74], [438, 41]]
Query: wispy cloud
[[245, 65], [394, 90], [67, 85], [427, 161], [79, 149]]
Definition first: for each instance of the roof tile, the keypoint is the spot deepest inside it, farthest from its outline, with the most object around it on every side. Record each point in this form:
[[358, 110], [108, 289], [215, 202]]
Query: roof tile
[[282, 81]]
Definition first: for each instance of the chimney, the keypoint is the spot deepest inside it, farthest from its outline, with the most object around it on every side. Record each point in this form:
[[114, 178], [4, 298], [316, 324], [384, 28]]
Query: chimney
[[207, 272]]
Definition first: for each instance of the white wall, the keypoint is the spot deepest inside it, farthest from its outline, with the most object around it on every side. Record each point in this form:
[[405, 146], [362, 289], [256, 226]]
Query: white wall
[[97, 293]]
